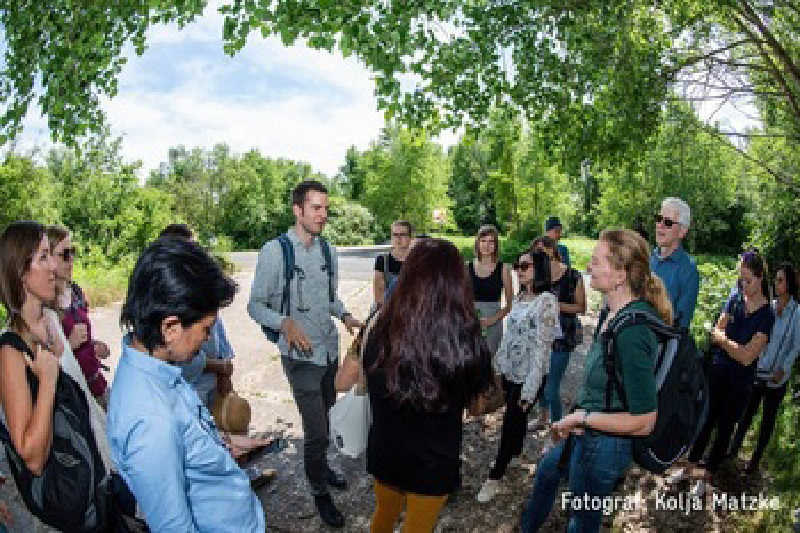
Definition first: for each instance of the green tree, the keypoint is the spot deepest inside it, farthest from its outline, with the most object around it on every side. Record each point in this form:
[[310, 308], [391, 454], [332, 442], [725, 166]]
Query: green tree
[[406, 178], [683, 160], [472, 204], [593, 75], [350, 179], [28, 191], [72, 52]]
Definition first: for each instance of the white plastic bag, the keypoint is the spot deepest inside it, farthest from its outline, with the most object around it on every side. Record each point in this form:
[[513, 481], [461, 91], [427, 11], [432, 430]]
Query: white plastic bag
[[349, 423]]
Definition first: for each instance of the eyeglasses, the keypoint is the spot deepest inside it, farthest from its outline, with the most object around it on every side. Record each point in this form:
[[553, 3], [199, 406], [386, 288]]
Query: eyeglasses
[[399, 235], [668, 222], [68, 254], [522, 266]]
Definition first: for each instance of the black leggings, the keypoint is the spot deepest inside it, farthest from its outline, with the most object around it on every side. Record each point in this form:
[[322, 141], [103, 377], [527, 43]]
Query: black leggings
[[772, 402], [515, 426], [726, 405]]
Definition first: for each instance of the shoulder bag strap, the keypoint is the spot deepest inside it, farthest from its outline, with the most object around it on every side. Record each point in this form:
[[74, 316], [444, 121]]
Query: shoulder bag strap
[[287, 250], [13, 339], [326, 253]]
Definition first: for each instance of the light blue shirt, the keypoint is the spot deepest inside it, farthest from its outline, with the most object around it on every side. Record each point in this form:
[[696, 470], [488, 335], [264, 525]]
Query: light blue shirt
[[216, 347], [784, 344], [679, 273], [168, 451]]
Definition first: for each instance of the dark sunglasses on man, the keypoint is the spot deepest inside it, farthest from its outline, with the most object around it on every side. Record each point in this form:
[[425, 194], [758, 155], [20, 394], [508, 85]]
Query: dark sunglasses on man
[[68, 254], [668, 222]]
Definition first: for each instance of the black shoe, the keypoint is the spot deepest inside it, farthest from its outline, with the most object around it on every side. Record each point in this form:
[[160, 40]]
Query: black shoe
[[328, 511], [336, 480]]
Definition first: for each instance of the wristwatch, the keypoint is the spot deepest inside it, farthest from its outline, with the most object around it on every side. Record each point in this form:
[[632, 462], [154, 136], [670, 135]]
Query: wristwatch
[[583, 420]]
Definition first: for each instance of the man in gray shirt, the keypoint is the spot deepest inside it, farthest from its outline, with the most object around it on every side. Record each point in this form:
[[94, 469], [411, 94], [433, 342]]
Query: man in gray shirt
[[309, 341]]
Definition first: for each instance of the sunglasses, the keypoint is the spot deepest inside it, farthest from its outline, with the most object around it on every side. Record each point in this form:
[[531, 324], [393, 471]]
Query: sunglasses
[[68, 254], [522, 266], [668, 222], [400, 235]]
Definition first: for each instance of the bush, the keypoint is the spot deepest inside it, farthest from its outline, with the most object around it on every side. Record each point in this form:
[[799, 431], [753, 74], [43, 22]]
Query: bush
[[222, 244], [717, 277], [349, 223], [103, 281]]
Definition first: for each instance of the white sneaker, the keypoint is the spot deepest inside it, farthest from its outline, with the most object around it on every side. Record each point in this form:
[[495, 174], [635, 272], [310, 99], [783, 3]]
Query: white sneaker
[[489, 490], [678, 476], [699, 489]]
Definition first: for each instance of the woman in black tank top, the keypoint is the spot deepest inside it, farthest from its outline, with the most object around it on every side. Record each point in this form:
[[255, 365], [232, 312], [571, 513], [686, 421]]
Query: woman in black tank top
[[490, 279], [568, 288]]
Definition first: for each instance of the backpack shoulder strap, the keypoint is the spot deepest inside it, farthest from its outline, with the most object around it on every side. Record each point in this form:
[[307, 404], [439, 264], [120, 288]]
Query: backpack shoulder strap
[[624, 320], [287, 250], [13, 339], [326, 253]]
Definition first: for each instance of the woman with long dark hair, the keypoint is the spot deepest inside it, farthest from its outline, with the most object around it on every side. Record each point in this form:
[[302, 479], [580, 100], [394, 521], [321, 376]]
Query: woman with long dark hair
[[741, 333], [33, 353], [425, 360], [27, 284], [72, 306], [523, 359], [567, 285], [774, 366]]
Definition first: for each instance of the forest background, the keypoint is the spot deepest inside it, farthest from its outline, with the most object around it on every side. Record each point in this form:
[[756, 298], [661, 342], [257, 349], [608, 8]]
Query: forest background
[[584, 110]]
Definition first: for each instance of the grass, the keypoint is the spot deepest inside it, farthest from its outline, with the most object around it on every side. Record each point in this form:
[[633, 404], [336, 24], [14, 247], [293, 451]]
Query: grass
[[107, 283], [103, 284]]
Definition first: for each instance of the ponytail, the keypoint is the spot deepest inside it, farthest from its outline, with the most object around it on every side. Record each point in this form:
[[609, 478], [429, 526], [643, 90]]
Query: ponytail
[[656, 295]]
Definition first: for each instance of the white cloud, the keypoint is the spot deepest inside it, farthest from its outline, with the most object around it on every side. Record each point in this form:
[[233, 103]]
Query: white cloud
[[329, 107]]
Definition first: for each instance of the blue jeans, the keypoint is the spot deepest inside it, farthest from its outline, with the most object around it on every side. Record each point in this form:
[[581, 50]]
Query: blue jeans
[[596, 462], [551, 399]]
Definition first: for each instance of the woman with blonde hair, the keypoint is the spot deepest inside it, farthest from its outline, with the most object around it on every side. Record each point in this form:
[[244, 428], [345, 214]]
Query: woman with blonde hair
[[597, 444], [491, 280]]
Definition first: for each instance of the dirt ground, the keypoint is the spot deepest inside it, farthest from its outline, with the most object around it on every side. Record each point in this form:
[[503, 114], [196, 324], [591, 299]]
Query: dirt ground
[[258, 377]]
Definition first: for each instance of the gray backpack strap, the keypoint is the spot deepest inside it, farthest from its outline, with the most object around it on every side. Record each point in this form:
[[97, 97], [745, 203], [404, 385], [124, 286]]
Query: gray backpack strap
[[326, 253]]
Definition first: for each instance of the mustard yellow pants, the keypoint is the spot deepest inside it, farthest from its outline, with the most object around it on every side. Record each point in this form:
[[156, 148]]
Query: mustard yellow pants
[[421, 511]]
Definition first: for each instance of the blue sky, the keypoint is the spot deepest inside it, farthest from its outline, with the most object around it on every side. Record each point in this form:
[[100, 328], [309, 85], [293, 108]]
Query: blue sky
[[290, 102]]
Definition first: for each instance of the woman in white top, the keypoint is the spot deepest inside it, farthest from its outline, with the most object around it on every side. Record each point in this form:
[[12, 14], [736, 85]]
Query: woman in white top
[[523, 359]]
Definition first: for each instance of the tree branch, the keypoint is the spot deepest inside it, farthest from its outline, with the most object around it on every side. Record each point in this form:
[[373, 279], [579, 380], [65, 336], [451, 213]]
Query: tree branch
[[775, 71], [696, 59], [779, 176]]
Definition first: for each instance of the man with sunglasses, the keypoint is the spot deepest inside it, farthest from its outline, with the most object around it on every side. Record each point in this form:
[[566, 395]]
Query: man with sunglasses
[[670, 261]]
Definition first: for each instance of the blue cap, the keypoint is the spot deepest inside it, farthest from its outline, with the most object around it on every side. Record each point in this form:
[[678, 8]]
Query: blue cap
[[551, 223]]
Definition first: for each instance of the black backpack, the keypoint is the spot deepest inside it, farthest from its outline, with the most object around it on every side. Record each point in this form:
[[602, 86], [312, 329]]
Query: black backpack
[[287, 251], [74, 491], [682, 390]]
